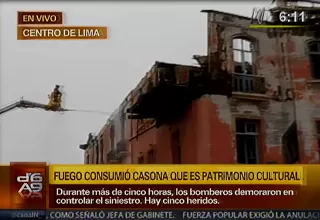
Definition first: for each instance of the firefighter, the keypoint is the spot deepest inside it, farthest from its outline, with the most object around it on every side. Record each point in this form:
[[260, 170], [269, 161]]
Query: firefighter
[[55, 98], [56, 94]]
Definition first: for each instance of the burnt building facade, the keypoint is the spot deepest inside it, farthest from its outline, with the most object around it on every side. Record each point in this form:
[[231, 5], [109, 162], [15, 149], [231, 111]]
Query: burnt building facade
[[111, 144], [255, 98]]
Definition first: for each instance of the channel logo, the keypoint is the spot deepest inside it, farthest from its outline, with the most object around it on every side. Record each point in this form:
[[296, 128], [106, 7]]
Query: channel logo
[[28, 185], [32, 185]]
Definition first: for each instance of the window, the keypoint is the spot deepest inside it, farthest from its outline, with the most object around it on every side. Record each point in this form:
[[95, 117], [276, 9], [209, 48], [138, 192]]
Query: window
[[112, 136], [90, 155], [140, 160], [151, 157], [166, 74], [247, 135], [93, 157], [176, 147], [314, 57], [96, 146], [123, 124], [318, 133], [87, 159], [242, 56], [290, 144], [101, 150]]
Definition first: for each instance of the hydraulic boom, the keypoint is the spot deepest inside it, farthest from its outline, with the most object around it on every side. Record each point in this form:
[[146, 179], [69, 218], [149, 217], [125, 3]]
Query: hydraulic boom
[[27, 104], [54, 104]]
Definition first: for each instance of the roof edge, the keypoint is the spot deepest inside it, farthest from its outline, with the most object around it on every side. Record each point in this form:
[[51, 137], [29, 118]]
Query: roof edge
[[176, 64], [225, 13]]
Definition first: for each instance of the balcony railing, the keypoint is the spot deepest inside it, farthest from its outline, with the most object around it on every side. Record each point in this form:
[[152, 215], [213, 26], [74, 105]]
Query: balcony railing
[[122, 148], [112, 156], [248, 83]]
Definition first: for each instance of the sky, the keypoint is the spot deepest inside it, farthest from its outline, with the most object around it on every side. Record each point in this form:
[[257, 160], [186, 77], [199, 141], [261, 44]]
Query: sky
[[96, 74]]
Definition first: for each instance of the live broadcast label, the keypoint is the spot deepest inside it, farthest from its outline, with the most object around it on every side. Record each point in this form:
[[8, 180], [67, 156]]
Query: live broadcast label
[[28, 185], [39, 17], [61, 33]]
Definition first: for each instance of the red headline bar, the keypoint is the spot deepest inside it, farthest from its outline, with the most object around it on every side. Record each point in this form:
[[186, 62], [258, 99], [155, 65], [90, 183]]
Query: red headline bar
[[174, 196]]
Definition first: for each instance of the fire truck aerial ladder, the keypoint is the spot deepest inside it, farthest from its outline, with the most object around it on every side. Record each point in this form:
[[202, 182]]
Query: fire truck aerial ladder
[[54, 104]]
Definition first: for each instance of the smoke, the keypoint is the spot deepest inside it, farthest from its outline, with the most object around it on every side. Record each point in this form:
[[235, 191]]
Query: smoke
[[55, 136]]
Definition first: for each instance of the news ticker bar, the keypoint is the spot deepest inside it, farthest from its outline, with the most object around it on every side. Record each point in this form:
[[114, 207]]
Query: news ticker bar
[[161, 215], [46, 25]]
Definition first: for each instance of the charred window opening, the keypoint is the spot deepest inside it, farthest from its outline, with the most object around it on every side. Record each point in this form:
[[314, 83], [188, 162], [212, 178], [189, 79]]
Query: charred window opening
[[314, 56], [166, 75], [123, 124], [90, 156], [318, 133], [97, 157], [242, 56], [112, 137], [101, 150], [290, 144], [87, 159], [93, 157], [247, 135], [176, 147], [140, 160], [96, 149], [151, 157]]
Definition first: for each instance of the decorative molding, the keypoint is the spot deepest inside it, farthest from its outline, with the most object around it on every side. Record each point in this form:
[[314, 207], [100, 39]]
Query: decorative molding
[[233, 102], [262, 104]]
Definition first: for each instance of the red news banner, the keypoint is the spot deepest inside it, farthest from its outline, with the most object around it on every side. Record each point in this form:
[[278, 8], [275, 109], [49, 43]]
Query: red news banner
[[162, 187], [175, 186]]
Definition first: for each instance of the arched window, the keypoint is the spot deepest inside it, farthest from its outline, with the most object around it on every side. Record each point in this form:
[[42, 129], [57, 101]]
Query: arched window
[[314, 57], [242, 56]]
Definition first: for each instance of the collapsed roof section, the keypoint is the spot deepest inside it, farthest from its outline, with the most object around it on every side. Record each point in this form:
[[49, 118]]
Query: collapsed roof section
[[168, 89]]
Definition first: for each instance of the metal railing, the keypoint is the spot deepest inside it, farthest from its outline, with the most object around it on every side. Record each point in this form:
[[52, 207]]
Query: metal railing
[[248, 83]]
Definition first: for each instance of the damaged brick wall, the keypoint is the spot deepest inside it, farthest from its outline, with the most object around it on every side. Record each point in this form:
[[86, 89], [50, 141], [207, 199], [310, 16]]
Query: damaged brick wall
[[124, 129], [282, 62], [146, 138], [282, 93], [142, 131], [189, 149], [307, 93], [116, 129]]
